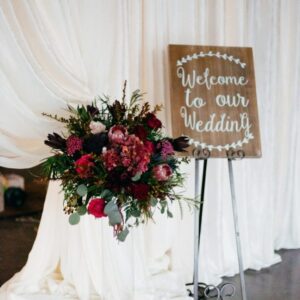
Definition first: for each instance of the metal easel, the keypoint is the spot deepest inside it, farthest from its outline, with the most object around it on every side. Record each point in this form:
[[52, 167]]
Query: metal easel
[[226, 290]]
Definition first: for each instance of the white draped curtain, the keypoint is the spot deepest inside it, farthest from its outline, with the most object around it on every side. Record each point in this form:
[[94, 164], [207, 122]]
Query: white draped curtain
[[57, 52]]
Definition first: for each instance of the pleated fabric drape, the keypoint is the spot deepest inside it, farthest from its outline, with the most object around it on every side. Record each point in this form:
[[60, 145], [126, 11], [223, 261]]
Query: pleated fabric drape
[[57, 52]]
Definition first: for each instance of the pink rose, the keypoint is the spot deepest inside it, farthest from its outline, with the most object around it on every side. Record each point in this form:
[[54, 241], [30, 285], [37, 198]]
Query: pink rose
[[96, 207], [162, 172], [97, 127], [117, 134]]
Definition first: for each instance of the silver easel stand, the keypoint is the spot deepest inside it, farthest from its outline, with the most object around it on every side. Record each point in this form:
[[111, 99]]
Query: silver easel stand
[[237, 231], [197, 220], [210, 291], [196, 231]]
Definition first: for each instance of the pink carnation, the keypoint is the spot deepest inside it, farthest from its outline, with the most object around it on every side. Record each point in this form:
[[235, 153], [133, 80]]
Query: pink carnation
[[74, 143]]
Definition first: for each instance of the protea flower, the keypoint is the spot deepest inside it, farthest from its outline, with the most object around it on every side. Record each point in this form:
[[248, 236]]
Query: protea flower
[[179, 144], [117, 111], [162, 172], [55, 141], [92, 110], [117, 134]]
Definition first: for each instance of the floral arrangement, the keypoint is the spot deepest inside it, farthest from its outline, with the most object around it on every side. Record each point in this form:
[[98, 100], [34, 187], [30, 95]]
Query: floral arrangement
[[114, 161]]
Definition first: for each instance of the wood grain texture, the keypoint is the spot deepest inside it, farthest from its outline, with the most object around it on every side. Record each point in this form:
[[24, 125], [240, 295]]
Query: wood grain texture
[[213, 98]]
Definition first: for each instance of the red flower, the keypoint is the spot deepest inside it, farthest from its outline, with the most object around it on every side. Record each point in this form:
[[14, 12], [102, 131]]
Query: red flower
[[162, 172], [74, 143], [117, 134], [96, 207], [135, 156], [111, 159], [84, 166], [149, 146], [131, 154], [140, 190], [153, 122], [140, 132]]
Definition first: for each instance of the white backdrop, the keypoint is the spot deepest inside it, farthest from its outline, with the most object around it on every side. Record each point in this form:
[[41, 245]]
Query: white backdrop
[[56, 52]]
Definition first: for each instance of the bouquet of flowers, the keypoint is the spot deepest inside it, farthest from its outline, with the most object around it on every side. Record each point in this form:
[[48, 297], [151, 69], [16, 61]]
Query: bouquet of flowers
[[114, 161]]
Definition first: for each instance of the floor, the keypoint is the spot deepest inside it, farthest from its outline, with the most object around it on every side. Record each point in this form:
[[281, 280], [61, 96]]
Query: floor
[[16, 239], [18, 226], [279, 282]]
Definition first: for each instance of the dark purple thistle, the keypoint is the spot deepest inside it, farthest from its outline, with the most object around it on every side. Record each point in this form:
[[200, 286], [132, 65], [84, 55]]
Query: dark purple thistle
[[180, 144], [55, 141]]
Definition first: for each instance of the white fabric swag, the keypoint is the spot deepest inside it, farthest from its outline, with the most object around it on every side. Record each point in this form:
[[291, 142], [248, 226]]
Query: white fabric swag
[[58, 52]]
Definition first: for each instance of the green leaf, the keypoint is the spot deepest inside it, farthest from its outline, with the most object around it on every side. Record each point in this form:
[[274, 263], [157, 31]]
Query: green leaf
[[112, 211], [122, 235], [82, 190], [74, 219], [107, 194], [115, 218], [163, 206], [110, 207], [169, 214], [137, 176], [81, 210], [153, 201], [135, 213]]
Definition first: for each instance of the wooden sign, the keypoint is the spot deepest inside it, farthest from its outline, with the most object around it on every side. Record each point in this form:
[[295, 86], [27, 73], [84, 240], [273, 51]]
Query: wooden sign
[[213, 98]]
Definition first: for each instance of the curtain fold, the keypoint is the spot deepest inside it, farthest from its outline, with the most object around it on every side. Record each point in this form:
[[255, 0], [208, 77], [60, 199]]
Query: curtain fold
[[58, 52]]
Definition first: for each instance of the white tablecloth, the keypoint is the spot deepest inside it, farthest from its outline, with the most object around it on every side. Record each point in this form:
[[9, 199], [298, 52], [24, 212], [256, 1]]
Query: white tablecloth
[[86, 262]]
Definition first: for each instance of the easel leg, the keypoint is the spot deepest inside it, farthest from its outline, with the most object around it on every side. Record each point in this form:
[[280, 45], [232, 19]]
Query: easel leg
[[198, 221], [196, 231], [237, 231]]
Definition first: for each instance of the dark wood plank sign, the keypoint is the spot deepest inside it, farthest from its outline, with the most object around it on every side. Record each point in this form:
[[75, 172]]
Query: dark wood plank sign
[[213, 98]]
